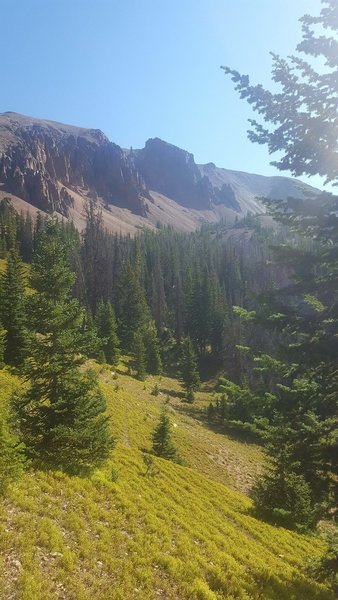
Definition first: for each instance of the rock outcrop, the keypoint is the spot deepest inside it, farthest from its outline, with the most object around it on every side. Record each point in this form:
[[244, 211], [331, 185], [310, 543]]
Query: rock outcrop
[[173, 172], [52, 166], [40, 161]]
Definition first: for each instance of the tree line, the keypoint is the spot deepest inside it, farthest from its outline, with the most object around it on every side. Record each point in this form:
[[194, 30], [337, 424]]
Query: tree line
[[268, 320]]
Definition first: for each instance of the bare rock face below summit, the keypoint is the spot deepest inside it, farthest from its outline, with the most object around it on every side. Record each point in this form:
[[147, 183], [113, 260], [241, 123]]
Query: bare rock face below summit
[[46, 166], [173, 172], [42, 162]]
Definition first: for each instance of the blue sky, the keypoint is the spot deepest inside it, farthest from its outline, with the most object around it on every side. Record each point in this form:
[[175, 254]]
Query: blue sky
[[147, 68]]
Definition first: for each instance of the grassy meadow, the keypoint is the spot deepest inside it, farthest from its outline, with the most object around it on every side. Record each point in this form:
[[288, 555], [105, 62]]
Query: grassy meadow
[[179, 532]]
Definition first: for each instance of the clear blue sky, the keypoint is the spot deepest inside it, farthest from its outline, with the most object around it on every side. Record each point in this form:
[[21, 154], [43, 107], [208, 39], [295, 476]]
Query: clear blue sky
[[147, 68]]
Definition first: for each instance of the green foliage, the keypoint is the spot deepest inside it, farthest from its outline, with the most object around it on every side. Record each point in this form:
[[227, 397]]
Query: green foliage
[[106, 330], [190, 396], [8, 227], [304, 133], [284, 498], [149, 463], [152, 349], [325, 569], [139, 355], [12, 459], [295, 450], [162, 444], [12, 310], [133, 312], [188, 366], [240, 408], [304, 311], [156, 390], [242, 313], [2, 345], [61, 414], [181, 531], [114, 474]]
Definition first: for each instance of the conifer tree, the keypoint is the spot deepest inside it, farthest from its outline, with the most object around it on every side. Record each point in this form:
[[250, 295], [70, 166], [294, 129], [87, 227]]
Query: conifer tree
[[300, 122], [282, 494], [8, 227], [25, 236], [61, 414], [152, 350], [189, 370], [12, 310], [106, 330], [139, 355], [93, 252], [162, 444], [132, 307]]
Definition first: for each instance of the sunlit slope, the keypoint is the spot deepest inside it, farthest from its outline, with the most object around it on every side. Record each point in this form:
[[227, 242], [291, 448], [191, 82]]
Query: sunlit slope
[[135, 411], [175, 535]]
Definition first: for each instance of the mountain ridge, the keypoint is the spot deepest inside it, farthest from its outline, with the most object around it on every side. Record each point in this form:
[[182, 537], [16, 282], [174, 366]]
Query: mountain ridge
[[46, 165]]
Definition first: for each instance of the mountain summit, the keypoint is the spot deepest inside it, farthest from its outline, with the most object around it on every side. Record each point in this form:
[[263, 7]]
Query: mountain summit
[[47, 165]]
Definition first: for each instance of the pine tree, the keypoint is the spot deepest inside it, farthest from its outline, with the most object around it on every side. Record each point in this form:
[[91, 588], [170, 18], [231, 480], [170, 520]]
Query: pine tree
[[25, 236], [97, 255], [8, 227], [200, 311], [152, 350], [158, 299], [300, 122], [61, 414], [282, 495], [133, 312], [139, 355], [162, 444], [106, 330], [188, 367], [12, 310]]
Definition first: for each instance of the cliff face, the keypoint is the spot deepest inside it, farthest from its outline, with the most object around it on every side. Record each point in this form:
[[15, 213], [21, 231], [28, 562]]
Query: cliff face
[[41, 161], [50, 165], [173, 172]]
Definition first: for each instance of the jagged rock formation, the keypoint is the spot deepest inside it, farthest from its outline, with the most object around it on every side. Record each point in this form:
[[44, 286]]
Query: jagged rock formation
[[40, 161], [52, 166], [173, 172]]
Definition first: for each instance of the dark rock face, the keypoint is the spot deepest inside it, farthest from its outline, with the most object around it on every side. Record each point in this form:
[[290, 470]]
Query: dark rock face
[[172, 172], [44, 163], [38, 160]]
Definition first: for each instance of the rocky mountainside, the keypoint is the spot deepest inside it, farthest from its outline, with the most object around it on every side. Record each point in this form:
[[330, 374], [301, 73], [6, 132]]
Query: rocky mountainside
[[46, 165]]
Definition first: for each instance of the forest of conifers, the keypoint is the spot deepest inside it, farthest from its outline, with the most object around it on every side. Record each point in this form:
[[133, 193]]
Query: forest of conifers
[[251, 308], [239, 302]]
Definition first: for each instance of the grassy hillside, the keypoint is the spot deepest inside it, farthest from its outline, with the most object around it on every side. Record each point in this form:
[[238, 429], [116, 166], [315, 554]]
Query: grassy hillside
[[178, 534]]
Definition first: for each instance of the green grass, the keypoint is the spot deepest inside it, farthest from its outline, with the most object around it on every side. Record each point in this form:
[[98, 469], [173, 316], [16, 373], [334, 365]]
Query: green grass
[[181, 534]]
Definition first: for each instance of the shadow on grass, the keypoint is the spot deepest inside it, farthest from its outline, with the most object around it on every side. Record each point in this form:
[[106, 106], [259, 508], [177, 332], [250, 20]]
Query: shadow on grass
[[194, 411], [232, 433], [268, 586], [172, 393]]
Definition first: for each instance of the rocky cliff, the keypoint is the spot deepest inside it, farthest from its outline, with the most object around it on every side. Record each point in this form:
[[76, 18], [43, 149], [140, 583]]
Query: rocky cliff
[[174, 173], [42, 161], [52, 166]]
